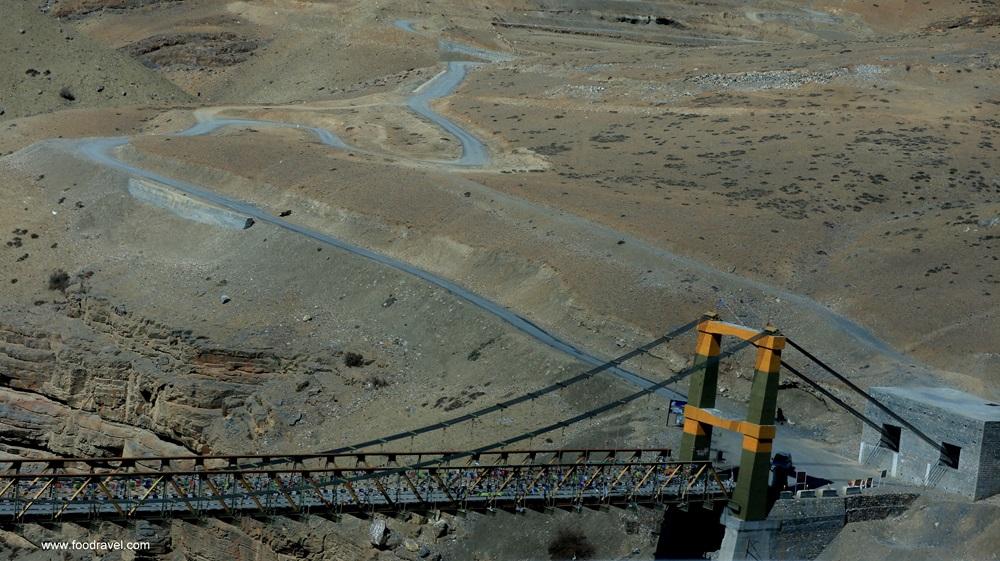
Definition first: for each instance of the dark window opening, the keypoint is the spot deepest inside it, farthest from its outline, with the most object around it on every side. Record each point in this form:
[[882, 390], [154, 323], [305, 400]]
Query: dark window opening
[[890, 437], [949, 455]]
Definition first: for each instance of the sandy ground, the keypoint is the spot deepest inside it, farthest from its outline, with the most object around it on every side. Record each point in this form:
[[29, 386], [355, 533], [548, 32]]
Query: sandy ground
[[49, 66], [830, 169], [928, 530], [640, 214]]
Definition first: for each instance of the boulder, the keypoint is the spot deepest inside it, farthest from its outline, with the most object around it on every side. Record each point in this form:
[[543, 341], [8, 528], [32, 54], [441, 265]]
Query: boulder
[[378, 533]]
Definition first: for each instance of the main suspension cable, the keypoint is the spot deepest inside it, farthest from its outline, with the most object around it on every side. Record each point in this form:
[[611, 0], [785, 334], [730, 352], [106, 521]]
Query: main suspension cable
[[869, 397], [833, 398]]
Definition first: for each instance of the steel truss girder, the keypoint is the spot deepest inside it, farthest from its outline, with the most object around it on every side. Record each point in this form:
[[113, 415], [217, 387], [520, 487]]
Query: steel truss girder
[[149, 487]]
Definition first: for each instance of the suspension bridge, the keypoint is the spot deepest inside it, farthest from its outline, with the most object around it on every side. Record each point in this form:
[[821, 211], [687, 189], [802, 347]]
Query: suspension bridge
[[195, 486], [356, 480]]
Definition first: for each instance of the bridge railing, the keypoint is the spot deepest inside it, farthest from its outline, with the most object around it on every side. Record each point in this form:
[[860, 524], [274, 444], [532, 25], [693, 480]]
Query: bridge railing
[[191, 486]]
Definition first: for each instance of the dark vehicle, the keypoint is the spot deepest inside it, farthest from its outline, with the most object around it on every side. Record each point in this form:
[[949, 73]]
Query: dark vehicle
[[782, 467]]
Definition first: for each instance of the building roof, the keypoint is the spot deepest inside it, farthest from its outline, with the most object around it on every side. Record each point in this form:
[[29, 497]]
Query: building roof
[[958, 402]]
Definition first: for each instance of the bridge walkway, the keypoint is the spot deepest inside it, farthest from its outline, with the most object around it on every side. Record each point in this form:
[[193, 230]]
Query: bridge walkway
[[195, 486]]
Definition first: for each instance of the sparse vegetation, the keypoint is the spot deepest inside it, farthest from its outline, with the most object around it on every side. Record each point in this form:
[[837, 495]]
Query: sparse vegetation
[[353, 360], [59, 280], [634, 178]]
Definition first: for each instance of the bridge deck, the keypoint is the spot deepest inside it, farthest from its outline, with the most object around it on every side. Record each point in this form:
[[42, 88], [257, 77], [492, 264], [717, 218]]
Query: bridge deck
[[61, 488]]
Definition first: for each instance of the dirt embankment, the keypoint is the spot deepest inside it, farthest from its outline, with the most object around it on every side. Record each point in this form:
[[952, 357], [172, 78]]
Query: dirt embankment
[[80, 8], [936, 526], [193, 51]]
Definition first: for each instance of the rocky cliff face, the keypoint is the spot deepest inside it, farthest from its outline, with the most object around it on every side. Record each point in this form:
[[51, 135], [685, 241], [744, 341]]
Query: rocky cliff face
[[97, 380]]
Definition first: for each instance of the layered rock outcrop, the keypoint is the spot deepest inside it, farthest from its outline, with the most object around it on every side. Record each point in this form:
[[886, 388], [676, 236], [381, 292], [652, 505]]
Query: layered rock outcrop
[[96, 380]]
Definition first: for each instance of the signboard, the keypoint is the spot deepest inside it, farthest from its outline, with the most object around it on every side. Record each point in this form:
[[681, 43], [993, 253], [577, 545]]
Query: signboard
[[677, 406], [677, 410]]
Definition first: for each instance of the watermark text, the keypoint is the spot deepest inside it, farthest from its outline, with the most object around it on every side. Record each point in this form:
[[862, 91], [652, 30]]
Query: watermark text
[[95, 545]]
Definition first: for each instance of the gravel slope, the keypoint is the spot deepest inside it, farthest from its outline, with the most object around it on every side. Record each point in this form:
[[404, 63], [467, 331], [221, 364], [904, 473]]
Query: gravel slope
[[46, 66]]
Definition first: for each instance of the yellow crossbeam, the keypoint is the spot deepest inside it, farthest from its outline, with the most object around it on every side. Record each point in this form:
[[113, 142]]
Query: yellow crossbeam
[[697, 414]]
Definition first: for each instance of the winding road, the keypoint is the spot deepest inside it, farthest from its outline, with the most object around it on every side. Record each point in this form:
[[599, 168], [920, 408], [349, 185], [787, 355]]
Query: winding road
[[475, 153], [102, 152]]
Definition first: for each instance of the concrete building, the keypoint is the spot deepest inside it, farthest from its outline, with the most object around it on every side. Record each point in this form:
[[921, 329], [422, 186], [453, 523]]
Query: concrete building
[[966, 426]]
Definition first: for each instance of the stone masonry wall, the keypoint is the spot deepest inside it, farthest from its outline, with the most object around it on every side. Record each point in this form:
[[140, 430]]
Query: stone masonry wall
[[989, 462], [809, 525], [915, 454]]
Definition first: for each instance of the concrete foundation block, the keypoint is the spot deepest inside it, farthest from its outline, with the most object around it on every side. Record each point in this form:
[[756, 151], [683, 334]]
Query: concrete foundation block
[[826, 493], [806, 494], [852, 491], [745, 540]]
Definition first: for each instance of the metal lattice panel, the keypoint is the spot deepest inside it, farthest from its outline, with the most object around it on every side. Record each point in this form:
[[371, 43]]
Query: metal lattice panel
[[222, 485]]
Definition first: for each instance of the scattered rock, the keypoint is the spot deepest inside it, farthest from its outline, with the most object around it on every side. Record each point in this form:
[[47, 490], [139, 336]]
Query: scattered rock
[[984, 223], [378, 533], [394, 541], [193, 51], [440, 528], [967, 22], [285, 213], [376, 382], [225, 299]]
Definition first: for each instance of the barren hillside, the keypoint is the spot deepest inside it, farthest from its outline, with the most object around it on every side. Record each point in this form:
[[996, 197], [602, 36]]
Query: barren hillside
[[286, 225]]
